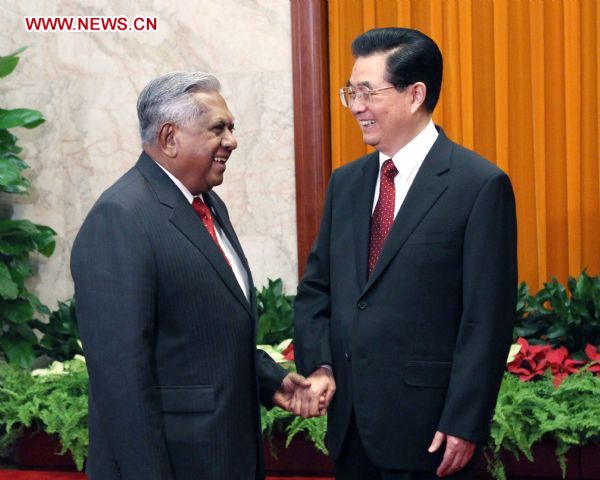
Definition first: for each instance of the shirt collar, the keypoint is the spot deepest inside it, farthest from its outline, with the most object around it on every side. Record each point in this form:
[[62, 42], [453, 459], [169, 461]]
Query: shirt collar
[[411, 156], [186, 193]]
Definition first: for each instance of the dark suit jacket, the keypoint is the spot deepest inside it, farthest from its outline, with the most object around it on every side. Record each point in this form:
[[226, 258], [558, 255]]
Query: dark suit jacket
[[421, 345], [169, 338]]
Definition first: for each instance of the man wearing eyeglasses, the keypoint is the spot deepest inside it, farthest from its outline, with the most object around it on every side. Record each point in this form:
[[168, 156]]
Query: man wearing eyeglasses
[[406, 307]]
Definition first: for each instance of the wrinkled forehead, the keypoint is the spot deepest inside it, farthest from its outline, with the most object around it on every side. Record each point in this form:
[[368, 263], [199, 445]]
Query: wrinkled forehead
[[214, 106]]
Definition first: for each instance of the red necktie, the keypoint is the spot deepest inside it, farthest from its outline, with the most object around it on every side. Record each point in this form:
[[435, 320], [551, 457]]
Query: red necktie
[[204, 213], [383, 215]]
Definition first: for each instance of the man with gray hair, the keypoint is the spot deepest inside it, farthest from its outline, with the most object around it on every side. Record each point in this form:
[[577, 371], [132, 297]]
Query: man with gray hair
[[167, 308]]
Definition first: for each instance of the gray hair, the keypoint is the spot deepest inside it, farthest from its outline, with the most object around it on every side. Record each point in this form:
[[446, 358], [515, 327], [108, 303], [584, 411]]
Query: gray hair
[[167, 98]]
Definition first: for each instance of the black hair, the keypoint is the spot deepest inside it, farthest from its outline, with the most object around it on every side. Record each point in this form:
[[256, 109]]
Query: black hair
[[413, 57]]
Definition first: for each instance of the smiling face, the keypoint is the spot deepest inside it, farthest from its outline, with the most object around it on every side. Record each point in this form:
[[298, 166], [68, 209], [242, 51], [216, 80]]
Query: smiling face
[[391, 118], [200, 150]]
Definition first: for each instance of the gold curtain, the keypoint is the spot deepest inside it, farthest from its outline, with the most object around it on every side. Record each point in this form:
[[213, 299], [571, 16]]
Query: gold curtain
[[521, 87]]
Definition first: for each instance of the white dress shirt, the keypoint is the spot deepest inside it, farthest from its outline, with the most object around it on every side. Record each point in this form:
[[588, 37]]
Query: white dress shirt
[[407, 160], [234, 260]]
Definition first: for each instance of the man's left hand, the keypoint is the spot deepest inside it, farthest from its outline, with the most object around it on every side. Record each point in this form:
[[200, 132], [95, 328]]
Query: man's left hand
[[457, 454], [284, 394]]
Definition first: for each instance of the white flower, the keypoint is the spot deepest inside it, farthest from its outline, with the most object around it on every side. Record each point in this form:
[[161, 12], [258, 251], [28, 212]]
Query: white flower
[[514, 349], [80, 358], [57, 368], [275, 351]]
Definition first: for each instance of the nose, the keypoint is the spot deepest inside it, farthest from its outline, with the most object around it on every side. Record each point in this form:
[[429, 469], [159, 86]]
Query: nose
[[357, 106], [229, 141]]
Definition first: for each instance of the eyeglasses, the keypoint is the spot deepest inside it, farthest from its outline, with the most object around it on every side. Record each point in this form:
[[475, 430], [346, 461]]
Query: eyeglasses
[[360, 92]]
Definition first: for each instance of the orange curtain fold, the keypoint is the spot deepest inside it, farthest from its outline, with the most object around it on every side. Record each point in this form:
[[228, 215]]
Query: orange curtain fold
[[521, 87]]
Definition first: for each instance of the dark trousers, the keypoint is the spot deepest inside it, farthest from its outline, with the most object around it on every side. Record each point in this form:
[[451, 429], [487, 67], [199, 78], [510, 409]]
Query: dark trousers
[[354, 463]]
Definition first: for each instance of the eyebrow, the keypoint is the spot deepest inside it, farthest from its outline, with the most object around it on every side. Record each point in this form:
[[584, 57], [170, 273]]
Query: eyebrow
[[364, 84], [223, 121]]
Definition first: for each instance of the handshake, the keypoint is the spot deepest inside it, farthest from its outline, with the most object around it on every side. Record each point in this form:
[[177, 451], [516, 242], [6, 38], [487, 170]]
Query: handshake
[[307, 397]]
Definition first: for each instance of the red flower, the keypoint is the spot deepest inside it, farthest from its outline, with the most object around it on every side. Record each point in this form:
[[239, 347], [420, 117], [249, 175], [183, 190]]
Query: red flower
[[530, 362], [561, 365], [594, 357], [533, 360], [288, 353]]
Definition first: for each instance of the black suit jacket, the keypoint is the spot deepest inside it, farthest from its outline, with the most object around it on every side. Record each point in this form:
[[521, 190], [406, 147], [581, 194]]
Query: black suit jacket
[[169, 338], [421, 344]]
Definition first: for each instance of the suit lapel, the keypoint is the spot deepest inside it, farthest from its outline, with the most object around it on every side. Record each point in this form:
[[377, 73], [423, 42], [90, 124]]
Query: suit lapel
[[424, 192], [223, 219], [363, 190], [185, 219]]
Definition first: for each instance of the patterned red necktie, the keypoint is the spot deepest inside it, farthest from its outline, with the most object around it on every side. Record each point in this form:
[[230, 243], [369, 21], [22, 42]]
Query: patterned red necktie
[[383, 215], [204, 213]]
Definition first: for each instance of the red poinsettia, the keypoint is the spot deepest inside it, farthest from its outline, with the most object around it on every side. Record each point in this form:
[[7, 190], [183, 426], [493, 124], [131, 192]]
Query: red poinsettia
[[561, 365], [288, 353], [594, 356], [530, 362]]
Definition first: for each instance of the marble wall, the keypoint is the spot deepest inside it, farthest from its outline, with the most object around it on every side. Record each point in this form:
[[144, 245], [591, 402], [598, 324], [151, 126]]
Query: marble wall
[[86, 84]]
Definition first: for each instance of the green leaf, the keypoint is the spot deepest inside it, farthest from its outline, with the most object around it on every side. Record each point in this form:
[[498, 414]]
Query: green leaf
[[14, 160], [10, 248], [44, 240], [8, 142], [556, 331], [19, 188], [275, 313], [18, 350], [35, 302], [16, 311], [10, 174], [9, 63], [25, 332], [19, 228], [20, 117], [8, 288], [20, 269]]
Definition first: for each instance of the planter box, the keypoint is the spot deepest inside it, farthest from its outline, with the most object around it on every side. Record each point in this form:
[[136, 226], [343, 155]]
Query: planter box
[[40, 450], [590, 462], [545, 464], [300, 458], [36, 449], [583, 463]]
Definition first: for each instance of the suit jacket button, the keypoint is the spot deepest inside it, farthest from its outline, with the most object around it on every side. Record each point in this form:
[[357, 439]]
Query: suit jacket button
[[362, 305], [347, 355]]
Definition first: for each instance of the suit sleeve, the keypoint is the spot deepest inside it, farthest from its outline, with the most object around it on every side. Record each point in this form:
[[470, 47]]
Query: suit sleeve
[[115, 289], [270, 376], [312, 308], [489, 299]]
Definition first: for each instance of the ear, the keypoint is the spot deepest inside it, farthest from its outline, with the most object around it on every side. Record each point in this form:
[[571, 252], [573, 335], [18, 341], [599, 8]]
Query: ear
[[417, 95], [166, 139]]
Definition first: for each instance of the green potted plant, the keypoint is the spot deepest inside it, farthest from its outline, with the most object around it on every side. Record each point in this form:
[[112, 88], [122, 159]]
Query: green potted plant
[[280, 428], [275, 313], [51, 400], [18, 238], [549, 402], [560, 316], [59, 336]]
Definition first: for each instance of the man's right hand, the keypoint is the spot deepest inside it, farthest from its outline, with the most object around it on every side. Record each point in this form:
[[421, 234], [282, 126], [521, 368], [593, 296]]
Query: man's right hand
[[314, 401]]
